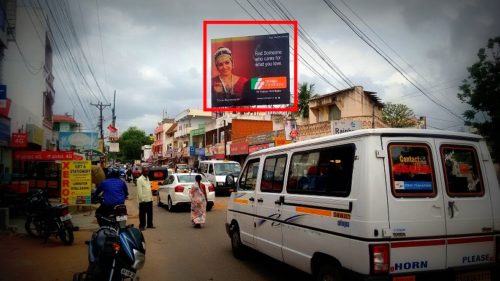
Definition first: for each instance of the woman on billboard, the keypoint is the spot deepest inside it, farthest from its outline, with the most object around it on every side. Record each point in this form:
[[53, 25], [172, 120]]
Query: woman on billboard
[[227, 87]]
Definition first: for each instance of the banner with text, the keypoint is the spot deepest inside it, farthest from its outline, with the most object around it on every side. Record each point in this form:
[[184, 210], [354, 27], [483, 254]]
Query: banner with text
[[253, 70], [76, 182]]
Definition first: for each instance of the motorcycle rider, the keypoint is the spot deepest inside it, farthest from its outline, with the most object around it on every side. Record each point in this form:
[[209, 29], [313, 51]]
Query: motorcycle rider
[[114, 191]]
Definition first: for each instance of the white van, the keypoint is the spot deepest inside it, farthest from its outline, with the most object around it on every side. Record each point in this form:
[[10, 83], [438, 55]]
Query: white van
[[217, 170], [389, 204]]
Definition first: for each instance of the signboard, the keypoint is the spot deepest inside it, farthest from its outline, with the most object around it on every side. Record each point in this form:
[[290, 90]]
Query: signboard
[[76, 182], [192, 151], [19, 140], [239, 148], [78, 141], [252, 70], [339, 127], [35, 134], [262, 138], [43, 155], [291, 132], [4, 131], [254, 148], [114, 147]]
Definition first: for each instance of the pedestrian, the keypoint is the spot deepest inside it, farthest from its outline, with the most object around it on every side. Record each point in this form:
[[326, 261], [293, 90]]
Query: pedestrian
[[145, 199], [198, 195], [114, 192]]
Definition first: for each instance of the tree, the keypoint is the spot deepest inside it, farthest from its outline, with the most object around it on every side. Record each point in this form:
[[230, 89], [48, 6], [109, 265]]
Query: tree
[[306, 92], [398, 116], [131, 142], [481, 90]]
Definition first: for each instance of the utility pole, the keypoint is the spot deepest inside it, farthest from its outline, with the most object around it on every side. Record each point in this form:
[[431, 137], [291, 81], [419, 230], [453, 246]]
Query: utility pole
[[101, 106], [113, 110]]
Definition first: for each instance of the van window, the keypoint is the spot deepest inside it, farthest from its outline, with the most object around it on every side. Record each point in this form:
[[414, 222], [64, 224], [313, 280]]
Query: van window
[[273, 174], [461, 170], [248, 177], [412, 174], [227, 168], [322, 172]]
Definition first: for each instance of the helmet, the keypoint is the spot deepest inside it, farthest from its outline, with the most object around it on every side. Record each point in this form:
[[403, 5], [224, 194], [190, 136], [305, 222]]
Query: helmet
[[113, 172]]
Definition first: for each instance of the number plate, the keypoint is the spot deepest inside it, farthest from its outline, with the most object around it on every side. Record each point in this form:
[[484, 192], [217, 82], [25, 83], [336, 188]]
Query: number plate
[[66, 217], [121, 218], [127, 273], [474, 276]]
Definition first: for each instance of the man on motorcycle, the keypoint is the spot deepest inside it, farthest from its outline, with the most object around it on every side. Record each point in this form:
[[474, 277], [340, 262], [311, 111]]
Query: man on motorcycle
[[114, 191]]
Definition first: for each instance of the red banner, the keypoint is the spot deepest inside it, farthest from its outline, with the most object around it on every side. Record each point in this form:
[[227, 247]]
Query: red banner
[[254, 148], [43, 155], [19, 140], [239, 148]]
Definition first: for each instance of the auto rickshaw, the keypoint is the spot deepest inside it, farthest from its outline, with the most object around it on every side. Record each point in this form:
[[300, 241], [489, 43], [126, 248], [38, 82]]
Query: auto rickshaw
[[156, 176]]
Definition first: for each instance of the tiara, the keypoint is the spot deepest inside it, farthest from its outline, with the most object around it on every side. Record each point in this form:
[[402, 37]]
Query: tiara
[[222, 51]]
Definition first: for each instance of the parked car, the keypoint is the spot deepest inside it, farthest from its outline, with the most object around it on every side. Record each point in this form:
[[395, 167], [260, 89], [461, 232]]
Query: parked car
[[175, 190]]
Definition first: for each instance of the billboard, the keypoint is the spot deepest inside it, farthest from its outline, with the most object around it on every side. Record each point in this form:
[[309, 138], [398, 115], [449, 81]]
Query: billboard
[[77, 141], [252, 70]]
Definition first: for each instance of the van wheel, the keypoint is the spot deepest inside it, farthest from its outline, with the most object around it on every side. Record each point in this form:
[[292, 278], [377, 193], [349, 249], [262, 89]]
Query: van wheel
[[238, 249], [328, 272]]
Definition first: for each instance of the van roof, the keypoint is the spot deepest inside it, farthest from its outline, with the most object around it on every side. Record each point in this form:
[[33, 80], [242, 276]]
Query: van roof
[[389, 132], [217, 161]]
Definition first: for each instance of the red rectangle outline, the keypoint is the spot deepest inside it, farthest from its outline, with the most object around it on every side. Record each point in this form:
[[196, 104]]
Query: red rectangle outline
[[248, 109]]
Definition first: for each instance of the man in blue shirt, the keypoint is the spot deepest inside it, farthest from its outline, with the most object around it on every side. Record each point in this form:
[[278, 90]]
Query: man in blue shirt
[[114, 193]]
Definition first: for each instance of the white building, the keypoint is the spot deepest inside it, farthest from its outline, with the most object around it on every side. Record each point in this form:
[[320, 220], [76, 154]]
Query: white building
[[29, 80]]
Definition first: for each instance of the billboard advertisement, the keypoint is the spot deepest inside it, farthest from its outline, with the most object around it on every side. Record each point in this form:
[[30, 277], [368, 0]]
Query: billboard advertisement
[[70, 141], [252, 70]]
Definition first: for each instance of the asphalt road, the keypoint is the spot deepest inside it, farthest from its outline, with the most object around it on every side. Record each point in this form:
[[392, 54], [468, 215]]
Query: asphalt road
[[174, 251]]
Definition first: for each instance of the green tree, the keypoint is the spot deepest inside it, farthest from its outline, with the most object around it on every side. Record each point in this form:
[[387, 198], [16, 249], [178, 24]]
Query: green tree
[[398, 116], [306, 92], [131, 142], [481, 90]]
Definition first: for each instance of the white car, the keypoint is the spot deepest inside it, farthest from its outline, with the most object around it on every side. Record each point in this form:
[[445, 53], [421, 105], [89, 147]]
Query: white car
[[175, 190]]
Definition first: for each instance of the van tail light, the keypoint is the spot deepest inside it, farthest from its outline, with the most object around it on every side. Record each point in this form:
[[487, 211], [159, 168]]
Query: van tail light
[[179, 188], [211, 188], [379, 258]]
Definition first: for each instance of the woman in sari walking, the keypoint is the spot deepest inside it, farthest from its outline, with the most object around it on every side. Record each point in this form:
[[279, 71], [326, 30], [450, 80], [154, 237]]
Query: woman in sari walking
[[198, 196]]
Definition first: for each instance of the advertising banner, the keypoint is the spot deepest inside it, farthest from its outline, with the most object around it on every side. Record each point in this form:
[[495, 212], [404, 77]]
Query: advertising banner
[[76, 182], [19, 140], [78, 141], [339, 127], [252, 70], [43, 155], [291, 132], [239, 148], [3, 96]]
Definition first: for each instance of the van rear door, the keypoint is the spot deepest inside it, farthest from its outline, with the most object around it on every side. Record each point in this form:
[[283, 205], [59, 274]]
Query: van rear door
[[415, 202], [469, 215]]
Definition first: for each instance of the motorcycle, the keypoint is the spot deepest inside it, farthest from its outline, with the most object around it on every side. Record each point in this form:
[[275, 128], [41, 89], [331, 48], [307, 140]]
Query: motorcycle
[[116, 250], [43, 219]]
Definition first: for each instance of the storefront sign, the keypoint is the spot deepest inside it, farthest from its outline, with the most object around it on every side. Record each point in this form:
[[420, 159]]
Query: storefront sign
[[262, 138], [192, 151], [281, 140], [3, 96], [19, 140], [339, 127], [239, 148], [43, 155], [4, 131], [76, 182], [254, 148]]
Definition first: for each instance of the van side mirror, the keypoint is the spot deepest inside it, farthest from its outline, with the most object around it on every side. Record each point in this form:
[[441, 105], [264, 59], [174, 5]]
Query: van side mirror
[[230, 181]]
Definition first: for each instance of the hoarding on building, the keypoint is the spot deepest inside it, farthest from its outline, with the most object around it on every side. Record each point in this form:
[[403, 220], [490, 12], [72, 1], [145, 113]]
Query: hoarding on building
[[78, 141], [339, 127], [240, 148], [252, 70], [19, 140]]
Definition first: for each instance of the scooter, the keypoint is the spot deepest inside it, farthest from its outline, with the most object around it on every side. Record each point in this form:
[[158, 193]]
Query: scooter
[[43, 219], [116, 251]]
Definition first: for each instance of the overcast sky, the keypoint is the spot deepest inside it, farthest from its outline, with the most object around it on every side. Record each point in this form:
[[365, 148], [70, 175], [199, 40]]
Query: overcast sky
[[150, 52]]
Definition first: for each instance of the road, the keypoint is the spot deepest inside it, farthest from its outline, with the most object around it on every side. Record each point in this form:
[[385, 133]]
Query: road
[[174, 251]]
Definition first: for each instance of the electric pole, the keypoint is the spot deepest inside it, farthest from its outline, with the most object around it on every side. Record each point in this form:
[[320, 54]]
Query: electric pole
[[113, 110], [101, 106]]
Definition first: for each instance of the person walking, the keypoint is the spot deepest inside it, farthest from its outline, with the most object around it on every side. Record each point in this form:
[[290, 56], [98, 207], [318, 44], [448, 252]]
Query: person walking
[[114, 192], [145, 199], [198, 195]]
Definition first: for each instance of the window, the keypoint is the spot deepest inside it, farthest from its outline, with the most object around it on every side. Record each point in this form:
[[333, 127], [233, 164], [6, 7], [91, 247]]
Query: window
[[334, 113], [461, 170], [248, 177], [273, 174], [322, 172], [412, 174]]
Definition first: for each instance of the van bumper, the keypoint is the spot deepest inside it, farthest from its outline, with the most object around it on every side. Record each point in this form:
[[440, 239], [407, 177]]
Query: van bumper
[[477, 273]]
